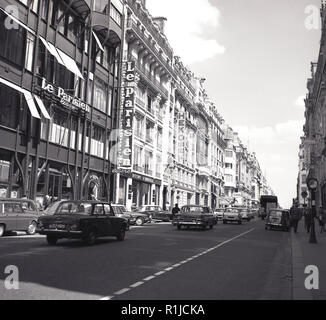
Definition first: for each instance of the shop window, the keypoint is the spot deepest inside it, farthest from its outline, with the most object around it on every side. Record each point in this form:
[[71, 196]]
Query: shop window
[[12, 42], [4, 171], [59, 130], [97, 142]]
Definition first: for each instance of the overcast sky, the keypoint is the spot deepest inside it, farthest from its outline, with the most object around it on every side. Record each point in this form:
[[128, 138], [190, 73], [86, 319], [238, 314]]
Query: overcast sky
[[255, 55]]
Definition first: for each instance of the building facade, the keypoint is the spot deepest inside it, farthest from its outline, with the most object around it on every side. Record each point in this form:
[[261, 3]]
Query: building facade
[[59, 67]]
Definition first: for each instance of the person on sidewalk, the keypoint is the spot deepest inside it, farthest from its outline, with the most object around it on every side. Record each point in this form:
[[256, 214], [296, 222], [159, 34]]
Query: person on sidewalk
[[321, 219], [307, 219], [175, 211], [295, 213]]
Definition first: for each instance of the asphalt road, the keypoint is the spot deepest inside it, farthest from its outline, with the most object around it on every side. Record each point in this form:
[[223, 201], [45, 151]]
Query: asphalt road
[[154, 262]]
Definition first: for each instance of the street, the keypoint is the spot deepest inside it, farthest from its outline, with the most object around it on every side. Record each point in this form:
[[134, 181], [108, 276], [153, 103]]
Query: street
[[155, 262]]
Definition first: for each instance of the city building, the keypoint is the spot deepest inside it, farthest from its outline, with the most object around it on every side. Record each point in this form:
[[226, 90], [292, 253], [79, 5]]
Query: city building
[[59, 83], [302, 189]]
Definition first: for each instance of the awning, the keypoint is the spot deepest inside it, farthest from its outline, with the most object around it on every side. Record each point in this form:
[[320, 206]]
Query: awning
[[98, 41], [63, 58], [17, 21], [42, 107], [28, 96]]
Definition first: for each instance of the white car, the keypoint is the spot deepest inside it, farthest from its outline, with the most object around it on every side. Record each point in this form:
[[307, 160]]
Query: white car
[[232, 215]]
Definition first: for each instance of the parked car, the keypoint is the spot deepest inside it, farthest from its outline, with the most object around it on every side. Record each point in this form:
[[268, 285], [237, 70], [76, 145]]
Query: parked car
[[278, 219], [155, 213], [232, 215], [86, 220], [18, 215], [121, 212], [195, 216]]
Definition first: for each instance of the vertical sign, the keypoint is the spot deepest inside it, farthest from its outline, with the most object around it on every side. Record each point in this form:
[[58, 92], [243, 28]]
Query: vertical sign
[[127, 114]]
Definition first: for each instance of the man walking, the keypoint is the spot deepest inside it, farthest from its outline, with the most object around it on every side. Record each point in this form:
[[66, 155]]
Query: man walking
[[175, 210], [295, 213]]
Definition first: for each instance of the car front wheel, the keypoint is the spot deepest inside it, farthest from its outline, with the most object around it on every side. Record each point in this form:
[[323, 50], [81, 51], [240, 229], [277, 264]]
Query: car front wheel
[[139, 221], [31, 230], [51, 240], [2, 230]]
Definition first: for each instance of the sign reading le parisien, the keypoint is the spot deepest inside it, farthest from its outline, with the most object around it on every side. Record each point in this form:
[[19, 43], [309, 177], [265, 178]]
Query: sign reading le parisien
[[65, 99], [127, 115]]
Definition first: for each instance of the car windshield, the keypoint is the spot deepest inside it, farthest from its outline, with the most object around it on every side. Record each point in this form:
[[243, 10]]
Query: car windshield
[[74, 208], [195, 209], [52, 207], [276, 214]]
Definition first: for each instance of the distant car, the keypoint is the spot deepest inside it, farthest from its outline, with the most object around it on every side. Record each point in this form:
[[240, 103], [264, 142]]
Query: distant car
[[219, 214], [232, 215], [86, 220], [18, 215], [155, 212], [195, 216], [245, 214]]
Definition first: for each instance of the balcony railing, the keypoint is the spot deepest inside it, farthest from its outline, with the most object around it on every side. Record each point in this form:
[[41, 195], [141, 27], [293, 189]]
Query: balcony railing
[[131, 25], [152, 80], [159, 40], [148, 171]]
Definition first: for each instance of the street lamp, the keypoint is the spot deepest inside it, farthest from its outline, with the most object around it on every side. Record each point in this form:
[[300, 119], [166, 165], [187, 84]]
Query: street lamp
[[312, 184]]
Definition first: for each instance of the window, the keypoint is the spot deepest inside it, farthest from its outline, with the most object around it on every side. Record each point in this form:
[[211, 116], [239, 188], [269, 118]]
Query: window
[[100, 95], [4, 171], [35, 5], [9, 107], [59, 129], [304, 178], [148, 162], [137, 160], [149, 104], [97, 142], [149, 131], [229, 154], [159, 138], [12, 42], [229, 166], [45, 9], [30, 43], [139, 123], [115, 15]]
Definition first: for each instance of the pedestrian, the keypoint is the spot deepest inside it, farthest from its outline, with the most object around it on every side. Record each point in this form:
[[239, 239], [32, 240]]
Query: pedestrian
[[175, 210], [307, 219], [321, 219], [46, 201], [295, 213]]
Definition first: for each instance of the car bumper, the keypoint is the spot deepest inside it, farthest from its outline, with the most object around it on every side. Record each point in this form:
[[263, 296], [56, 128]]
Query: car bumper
[[190, 223], [60, 233]]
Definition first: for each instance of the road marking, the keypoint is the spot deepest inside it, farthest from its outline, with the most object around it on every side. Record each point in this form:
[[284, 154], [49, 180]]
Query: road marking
[[139, 283], [122, 291]]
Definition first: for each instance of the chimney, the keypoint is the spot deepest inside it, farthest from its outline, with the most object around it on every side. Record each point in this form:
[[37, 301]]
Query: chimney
[[161, 23]]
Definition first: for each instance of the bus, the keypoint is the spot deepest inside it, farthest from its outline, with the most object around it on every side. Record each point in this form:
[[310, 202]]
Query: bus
[[267, 203]]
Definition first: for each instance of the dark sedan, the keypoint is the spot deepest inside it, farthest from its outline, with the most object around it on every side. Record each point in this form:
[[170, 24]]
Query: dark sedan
[[155, 212], [86, 220], [195, 216]]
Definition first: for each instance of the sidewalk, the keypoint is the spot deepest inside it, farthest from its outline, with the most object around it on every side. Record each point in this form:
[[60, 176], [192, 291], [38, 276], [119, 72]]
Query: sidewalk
[[303, 255]]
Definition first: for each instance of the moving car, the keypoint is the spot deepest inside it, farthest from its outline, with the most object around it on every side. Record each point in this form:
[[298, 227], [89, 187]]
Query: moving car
[[232, 215], [219, 214], [278, 219], [121, 212], [195, 216], [155, 212], [245, 214], [18, 215], [86, 220]]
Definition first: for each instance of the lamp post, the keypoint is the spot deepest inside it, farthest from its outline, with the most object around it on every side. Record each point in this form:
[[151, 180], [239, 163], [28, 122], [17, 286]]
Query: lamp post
[[312, 185]]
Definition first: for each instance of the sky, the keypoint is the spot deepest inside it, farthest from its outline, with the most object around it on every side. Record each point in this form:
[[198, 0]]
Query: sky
[[255, 56]]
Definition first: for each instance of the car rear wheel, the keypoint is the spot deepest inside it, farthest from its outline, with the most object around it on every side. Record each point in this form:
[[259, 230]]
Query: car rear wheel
[[90, 238], [122, 234], [31, 230], [2, 230], [139, 221], [51, 240]]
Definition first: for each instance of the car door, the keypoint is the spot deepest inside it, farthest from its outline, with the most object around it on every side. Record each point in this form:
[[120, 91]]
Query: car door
[[101, 220], [114, 222], [26, 215], [9, 216]]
